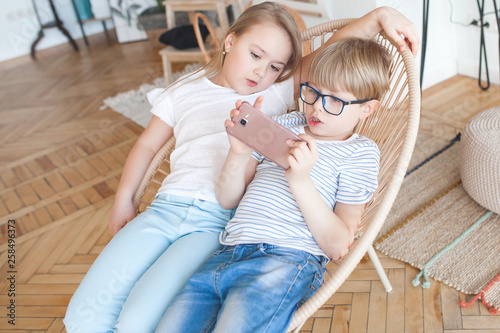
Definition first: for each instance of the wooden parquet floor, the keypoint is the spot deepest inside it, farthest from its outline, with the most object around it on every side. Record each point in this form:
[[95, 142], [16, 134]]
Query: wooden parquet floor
[[60, 163]]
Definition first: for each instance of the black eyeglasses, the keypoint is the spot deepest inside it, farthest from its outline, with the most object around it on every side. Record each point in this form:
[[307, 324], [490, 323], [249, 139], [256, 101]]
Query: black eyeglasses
[[332, 105]]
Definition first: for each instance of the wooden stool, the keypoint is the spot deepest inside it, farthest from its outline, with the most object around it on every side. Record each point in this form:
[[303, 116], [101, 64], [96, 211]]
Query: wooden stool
[[172, 6], [170, 54]]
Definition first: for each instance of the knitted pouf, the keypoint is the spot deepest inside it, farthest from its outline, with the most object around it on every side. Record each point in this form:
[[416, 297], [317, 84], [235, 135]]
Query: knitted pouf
[[480, 159]]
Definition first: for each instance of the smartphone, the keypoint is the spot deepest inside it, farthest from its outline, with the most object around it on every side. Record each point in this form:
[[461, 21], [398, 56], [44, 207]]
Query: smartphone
[[263, 134]]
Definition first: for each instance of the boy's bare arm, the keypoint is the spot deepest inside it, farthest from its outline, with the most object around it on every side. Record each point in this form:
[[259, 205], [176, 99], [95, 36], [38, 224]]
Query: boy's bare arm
[[332, 230], [397, 27], [388, 19]]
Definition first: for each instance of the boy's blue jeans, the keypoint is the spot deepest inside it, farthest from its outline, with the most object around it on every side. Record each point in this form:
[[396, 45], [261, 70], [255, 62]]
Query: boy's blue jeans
[[245, 288], [145, 265]]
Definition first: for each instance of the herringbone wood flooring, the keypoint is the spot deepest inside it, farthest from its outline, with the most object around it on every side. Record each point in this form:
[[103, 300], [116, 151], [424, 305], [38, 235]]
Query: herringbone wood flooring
[[60, 163]]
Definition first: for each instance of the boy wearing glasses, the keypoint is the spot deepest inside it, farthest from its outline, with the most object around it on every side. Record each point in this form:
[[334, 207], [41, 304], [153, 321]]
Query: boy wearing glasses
[[288, 224]]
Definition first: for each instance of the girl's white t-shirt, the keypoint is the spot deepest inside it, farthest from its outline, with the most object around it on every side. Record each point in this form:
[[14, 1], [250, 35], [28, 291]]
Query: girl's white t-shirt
[[197, 111]]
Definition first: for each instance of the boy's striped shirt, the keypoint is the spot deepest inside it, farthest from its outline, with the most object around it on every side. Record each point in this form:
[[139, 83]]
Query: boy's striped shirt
[[346, 171]]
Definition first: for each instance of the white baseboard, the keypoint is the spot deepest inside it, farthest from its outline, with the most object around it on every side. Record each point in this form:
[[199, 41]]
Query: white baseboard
[[472, 70]]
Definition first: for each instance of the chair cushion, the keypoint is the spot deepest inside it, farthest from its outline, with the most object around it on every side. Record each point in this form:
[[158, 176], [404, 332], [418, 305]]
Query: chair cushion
[[183, 37]]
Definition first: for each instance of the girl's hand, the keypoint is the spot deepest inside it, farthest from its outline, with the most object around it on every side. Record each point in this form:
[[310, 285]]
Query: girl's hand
[[237, 146], [121, 214], [399, 29], [302, 158]]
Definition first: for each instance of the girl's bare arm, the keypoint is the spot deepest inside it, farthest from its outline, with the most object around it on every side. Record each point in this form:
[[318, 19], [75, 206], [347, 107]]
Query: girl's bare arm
[[151, 140], [236, 174]]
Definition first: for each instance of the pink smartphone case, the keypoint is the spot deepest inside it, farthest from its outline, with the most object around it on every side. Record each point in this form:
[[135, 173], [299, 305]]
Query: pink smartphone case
[[263, 134]]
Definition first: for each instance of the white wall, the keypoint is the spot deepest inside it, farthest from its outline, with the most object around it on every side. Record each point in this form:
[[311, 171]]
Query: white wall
[[441, 56], [468, 41], [451, 47], [19, 26]]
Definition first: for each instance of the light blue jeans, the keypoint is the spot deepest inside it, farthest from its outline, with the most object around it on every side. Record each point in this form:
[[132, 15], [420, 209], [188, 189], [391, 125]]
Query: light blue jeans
[[245, 288], [145, 265]]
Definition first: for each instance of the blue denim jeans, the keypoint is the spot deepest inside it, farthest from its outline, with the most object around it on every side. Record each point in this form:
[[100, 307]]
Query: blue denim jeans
[[145, 265], [245, 288]]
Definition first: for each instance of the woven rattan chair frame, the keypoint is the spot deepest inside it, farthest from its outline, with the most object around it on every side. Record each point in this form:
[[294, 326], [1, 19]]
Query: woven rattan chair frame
[[207, 54], [393, 127]]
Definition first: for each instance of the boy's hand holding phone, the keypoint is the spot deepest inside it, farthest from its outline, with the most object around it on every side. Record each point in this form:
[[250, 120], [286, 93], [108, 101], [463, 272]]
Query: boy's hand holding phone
[[302, 157]]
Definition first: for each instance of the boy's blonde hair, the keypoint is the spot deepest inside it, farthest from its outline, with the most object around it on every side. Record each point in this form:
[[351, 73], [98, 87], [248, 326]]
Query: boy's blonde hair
[[266, 12], [358, 66]]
